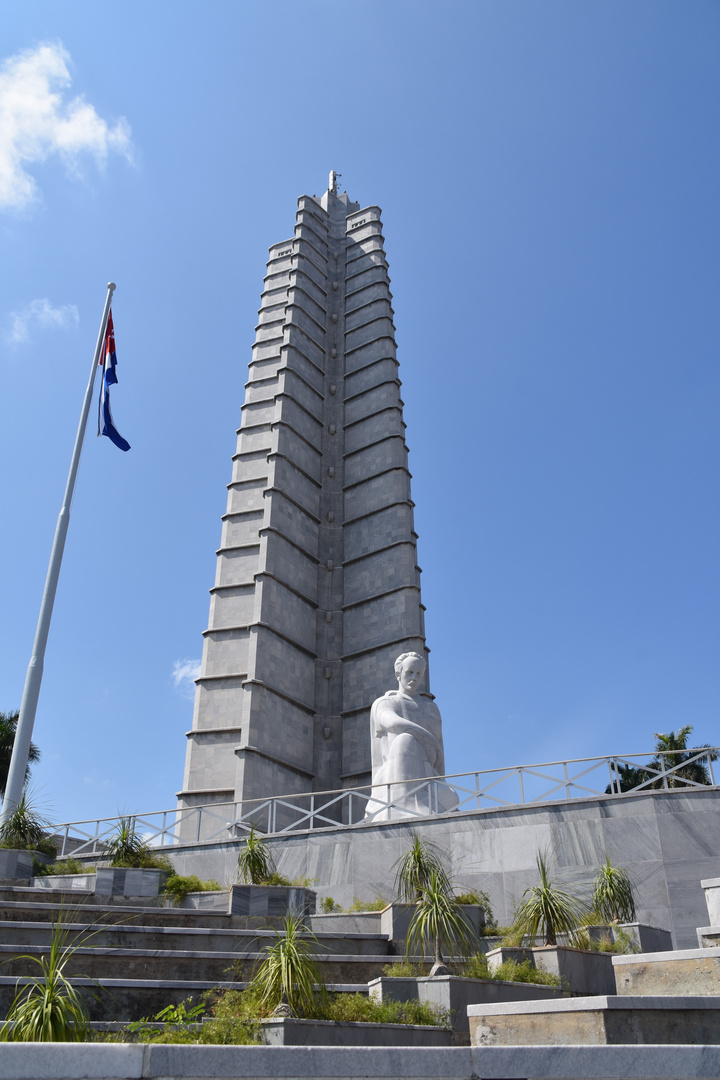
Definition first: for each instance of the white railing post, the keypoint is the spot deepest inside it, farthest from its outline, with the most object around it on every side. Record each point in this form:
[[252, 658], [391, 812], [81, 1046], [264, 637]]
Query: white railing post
[[522, 789], [567, 784]]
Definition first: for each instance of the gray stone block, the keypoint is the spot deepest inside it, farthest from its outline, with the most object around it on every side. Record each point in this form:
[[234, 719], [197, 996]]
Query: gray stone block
[[294, 1032], [599, 1020], [119, 881]]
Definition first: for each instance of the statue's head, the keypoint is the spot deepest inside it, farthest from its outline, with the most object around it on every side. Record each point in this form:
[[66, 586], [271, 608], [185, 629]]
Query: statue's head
[[409, 671]]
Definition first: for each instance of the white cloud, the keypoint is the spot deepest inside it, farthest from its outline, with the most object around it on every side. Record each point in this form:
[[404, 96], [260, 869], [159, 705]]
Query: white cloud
[[184, 674], [37, 120], [40, 313]]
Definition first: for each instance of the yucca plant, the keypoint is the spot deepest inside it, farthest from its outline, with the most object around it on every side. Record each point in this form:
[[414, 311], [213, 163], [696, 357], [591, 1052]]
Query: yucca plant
[[613, 897], [255, 862], [26, 829], [548, 907], [287, 977], [126, 847], [439, 924], [415, 869], [49, 1008]]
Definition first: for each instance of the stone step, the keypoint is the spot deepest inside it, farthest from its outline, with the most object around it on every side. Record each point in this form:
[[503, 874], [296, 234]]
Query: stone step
[[117, 963], [47, 909], [597, 1021], [686, 972], [129, 1000], [174, 938]]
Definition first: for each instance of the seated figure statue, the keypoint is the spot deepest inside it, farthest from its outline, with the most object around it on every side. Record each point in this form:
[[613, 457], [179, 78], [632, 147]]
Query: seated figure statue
[[406, 740]]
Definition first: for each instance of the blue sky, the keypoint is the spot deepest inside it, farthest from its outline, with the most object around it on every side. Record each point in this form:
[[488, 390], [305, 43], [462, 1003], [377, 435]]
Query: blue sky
[[548, 173]]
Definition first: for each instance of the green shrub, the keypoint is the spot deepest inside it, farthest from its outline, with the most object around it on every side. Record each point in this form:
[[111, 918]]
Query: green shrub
[[366, 1008], [26, 829], [378, 904], [69, 866], [403, 969], [479, 896], [126, 848], [178, 886], [476, 967], [525, 972], [328, 906]]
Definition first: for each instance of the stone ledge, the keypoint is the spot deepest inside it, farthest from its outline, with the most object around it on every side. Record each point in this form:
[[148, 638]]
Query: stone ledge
[[606, 1002], [37, 1061]]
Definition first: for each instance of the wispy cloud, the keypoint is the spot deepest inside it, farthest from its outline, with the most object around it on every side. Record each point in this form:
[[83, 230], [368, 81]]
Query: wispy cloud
[[38, 120], [42, 315], [184, 674]]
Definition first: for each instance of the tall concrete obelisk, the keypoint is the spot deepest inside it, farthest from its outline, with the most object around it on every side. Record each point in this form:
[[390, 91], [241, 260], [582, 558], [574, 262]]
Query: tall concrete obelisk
[[317, 587]]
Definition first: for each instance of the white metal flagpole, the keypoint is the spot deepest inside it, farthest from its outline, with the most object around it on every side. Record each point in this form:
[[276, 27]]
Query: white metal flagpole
[[33, 679]]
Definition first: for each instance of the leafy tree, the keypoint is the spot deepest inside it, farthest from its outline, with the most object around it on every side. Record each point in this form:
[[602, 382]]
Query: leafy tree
[[671, 750], [679, 752], [8, 727], [439, 922], [255, 862]]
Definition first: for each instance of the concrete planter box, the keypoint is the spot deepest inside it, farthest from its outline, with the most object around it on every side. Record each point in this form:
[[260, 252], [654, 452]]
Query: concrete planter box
[[518, 953], [258, 900], [581, 971], [288, 1031], [456, 993], [66, 882], [711, 888], [598, 1021], [643, 937], [395, 919], [121, 881], [686, 972], [17, 864], [346, 922]]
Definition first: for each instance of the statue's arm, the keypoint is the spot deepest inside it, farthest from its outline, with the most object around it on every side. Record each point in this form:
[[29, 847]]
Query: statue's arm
[[387, 720]]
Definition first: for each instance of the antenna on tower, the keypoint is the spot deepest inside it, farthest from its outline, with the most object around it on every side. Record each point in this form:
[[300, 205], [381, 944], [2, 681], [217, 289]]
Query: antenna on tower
[[334, 177]]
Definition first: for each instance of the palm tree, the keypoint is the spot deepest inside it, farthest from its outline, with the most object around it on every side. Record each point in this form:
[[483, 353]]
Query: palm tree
[[415, 870], [626, 778], [8, 727], [549, 907], [438, 922], [672, 750]]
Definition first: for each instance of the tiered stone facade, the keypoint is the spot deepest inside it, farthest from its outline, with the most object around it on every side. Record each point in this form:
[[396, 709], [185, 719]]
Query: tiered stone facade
[[317, 587]]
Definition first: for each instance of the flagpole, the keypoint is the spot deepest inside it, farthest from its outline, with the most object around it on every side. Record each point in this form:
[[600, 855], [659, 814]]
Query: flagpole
[[33, 679]]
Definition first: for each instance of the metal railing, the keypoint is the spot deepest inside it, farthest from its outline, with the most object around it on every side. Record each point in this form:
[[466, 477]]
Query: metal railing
[[616, 775]]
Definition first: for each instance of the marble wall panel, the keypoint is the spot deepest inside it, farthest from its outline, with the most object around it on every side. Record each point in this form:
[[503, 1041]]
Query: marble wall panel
[[237, 567], [281, 607], [369, 462], [288, 479], [232, 607], [377, 494], [379, 348], [241, 530], [364, 378], [362, 314], [379, 572], [285, 561], [379, 619], [292, 521], [225, 652], [388, 526], [218, 704], [371, 429], [374, 399]]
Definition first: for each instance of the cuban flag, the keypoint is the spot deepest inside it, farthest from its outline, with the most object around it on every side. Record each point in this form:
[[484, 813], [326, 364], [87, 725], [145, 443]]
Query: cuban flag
[[105, 420]]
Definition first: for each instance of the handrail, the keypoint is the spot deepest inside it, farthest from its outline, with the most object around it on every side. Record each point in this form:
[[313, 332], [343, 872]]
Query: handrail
[[313, 811]]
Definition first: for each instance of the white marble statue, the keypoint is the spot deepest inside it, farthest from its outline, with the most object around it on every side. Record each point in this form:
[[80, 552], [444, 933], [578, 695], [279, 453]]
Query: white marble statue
[[406, 740]]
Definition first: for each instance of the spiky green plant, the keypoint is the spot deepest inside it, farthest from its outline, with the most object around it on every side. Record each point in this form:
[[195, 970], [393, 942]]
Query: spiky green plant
[[288, 972], [255, 862], [125, 847], [414, 870], [49, 1008], [548, 907], [613, 897], [26, 828], [438, 923]]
